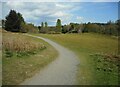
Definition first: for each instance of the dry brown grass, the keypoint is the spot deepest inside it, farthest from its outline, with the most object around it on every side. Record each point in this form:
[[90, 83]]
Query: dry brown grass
[[15, 42], [2, 30]]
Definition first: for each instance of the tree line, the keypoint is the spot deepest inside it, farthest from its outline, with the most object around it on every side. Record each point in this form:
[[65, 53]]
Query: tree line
[[44, 28], [14, 22], [109, 28]]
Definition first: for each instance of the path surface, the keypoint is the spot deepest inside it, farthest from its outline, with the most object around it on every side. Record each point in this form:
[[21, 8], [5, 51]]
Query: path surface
[[62, 71]]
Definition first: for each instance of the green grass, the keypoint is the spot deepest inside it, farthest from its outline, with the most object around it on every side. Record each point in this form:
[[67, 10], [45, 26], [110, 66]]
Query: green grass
[[18, 68], [86, 46]]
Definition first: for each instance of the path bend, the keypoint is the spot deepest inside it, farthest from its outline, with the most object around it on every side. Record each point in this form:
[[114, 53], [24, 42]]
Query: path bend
[[61, 71]]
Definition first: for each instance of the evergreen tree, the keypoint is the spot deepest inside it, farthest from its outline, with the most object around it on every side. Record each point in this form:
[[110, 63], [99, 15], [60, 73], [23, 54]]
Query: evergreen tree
[[20, 17], [13, 21], [58, 25]]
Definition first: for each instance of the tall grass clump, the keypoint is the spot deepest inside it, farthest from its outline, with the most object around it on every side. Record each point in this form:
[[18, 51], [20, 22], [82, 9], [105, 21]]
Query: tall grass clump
[[19, 45]]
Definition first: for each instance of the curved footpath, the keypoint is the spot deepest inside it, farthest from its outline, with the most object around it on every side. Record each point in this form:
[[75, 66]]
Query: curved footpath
[[62, 71]]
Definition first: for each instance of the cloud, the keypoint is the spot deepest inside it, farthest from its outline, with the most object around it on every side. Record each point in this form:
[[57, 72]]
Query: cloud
[[79, 18], [32, 0], [60, 14], [0, 10], [60, 5], [63, 0], [105, 0], [33, 11], [37, 12], [12, 4]]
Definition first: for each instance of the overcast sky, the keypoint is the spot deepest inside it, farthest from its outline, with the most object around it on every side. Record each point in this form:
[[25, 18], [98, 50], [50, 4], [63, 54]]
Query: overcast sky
[[79, 12]]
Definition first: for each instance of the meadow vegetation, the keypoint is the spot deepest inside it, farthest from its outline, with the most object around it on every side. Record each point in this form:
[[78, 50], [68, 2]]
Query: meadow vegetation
[[23, 57], [16, 44], [98, 56], [96, 45]]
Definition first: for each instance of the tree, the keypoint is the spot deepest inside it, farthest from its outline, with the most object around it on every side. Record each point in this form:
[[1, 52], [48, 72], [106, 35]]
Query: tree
[[3, 23], [39, 27], [109, 22], [72, 27], [46, 24], [118, 22], [85, 28], [118, 28], [44, 28], [42, 24], [29, 28], [13, 21], [65, 28], [20, 17], [22, 23], [24, 28], [58, 25]]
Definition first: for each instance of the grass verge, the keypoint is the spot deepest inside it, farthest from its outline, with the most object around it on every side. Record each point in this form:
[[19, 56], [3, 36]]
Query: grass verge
[[23, 57], [85, 45]]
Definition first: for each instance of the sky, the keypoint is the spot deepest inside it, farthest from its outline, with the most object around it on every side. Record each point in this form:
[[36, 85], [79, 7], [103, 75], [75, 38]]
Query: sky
[[79, 12], [63, 0]]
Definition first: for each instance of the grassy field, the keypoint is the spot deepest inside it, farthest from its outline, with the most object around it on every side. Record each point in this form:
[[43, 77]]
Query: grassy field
[[97, 53], [23, 57]]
